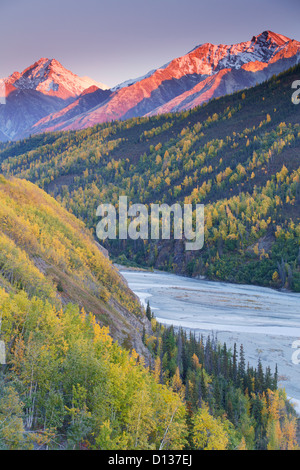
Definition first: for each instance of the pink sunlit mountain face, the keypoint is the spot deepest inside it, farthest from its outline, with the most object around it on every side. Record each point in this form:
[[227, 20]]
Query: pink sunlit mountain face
[[43, 88], [53, 98], [49, 77]]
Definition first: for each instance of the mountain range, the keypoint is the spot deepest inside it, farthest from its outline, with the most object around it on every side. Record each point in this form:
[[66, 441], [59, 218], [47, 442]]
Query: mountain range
[[47, 97]]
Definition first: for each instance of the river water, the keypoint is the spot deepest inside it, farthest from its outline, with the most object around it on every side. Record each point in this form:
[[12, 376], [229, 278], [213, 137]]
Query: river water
[[265, 321]]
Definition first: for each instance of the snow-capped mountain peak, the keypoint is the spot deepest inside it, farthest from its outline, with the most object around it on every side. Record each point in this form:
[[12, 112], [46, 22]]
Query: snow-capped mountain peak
[[268, 37], [49, 77], [213, 58]]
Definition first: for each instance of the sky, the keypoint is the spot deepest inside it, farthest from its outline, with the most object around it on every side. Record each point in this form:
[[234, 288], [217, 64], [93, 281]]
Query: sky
[[116, 40]]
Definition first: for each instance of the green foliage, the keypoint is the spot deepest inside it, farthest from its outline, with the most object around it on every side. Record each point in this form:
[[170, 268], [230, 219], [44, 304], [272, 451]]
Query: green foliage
[[69, 378]]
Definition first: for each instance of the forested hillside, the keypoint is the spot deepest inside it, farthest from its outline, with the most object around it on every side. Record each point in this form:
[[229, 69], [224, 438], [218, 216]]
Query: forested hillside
[[66, 384], [50, 254], [60, 300], [216, 381], [239, 155]]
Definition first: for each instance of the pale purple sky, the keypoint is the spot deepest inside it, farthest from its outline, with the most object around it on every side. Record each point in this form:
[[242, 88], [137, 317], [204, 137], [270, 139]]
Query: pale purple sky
[[115, 40]]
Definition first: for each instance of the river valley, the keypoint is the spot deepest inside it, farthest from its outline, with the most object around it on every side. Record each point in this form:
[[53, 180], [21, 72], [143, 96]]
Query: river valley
[[265, 321]]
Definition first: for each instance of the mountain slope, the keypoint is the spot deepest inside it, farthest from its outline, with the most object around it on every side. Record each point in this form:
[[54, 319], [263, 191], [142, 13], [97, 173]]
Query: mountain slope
[[88, 99], [47, 252]]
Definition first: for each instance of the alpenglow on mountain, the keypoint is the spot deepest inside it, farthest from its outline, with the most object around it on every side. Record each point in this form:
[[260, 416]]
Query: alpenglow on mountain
[[46, 97]]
